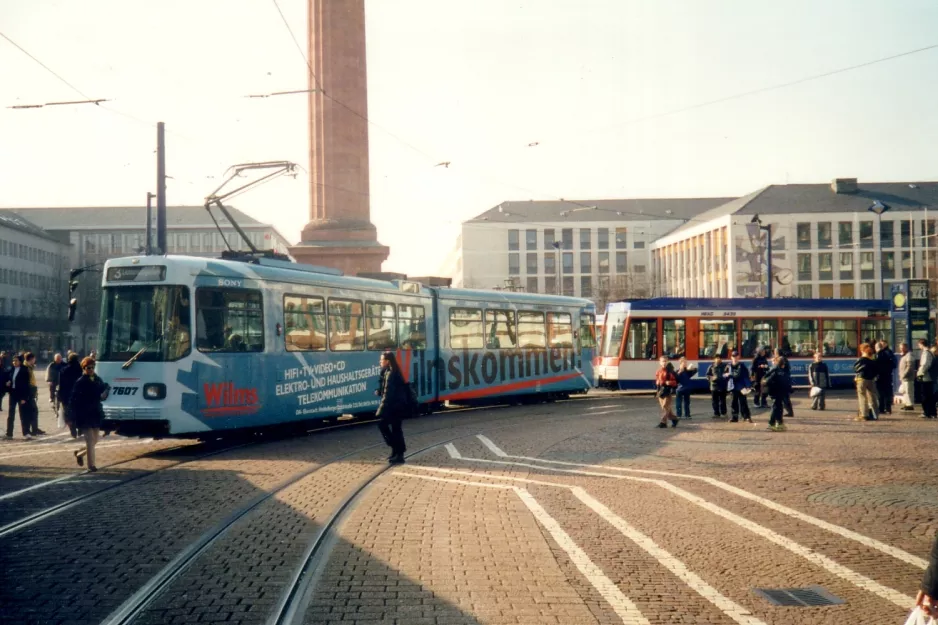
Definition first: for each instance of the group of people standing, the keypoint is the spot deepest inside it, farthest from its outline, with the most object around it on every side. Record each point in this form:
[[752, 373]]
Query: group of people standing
[[919, 378], [75, 395]]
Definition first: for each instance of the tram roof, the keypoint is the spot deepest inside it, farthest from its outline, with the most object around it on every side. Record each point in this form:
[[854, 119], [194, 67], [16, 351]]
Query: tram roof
[[741, 304]]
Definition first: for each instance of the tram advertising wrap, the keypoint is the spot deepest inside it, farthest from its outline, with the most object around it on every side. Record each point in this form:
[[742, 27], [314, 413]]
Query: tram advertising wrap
[[194, 345]]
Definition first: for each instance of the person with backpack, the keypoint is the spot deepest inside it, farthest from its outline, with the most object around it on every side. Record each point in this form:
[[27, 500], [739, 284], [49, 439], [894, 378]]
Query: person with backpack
[[778, 384], [885, 365], [925, 378], [715, 374], [665, 384], [685, 374], [867, 397], [760, 365], [738, 374], [820, 380], [396, 403]]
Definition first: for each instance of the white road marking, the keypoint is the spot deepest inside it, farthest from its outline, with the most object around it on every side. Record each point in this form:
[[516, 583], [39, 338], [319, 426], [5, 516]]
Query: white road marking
[[738, 613], [59, 451], [601, 407], [822, 561], [872, 543], [21, 491], [621, 605]]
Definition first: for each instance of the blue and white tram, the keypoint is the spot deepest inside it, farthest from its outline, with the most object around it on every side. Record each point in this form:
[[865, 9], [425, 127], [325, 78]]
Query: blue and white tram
[[636, 333], [193, 345]]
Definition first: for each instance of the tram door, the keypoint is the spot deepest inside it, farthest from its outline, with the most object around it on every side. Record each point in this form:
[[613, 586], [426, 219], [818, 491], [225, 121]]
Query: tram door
[[692, 342]]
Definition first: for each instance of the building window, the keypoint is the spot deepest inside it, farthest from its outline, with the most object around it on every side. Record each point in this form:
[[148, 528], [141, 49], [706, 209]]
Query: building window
[[886, 231], [805, 291], [585, 238], [847, 291], [889, 265], [867, 290], [603, 243], [567, 238], [804, 267], [586, 262], [826, 291], [531, 285], [846, 265], [567, 262], [548, 238], [550, 264], [905, 233], [514, 264], [622, 238], [550, 285], [530, 240], [640, 269], [532, 263], [636, 244], [568, 285], [513, 243], [622, 262], [586, 286], [866, 234], [927, 228], [804, 236], [906, 265], [845, 233], [825, 267], [866, 266], [604, 262]]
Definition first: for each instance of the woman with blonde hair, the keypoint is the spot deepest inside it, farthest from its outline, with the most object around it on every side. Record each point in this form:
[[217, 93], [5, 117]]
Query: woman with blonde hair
[[84, 408]]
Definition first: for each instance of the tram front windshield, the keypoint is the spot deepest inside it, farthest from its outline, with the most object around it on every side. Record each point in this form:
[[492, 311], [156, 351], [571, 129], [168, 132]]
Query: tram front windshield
[[612, 334], [152, 321]]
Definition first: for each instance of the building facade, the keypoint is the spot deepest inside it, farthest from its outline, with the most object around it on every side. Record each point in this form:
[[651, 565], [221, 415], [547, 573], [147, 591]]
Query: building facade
[[828, 241], [95, 234], [33, 290], [598, 249]]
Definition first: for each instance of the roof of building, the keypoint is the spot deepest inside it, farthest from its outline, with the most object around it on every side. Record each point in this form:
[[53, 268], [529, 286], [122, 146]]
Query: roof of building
[[123, 217], [820, 198], [599, 210], [12, 219]]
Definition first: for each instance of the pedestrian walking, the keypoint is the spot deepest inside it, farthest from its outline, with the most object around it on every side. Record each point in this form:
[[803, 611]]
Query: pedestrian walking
[[717, 379], [32, 404], [927, 598], [52, 381], [885, 365], [18, 389], [924, 379], [867, 397], [738, 374], [784, 364], [396, 403], [685, 374], [85, 410], [760, 365], [67, 378], [819, 378], [906, 378], [778, 384], [665, 386], [4, 378]]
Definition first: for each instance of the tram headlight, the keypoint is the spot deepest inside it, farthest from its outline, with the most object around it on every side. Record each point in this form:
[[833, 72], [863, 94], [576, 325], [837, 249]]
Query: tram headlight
[[154, 391]]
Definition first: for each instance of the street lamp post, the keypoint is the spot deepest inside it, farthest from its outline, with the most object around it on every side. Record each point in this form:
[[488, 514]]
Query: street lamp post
[[879, 208], [768, 254], [557, 272]]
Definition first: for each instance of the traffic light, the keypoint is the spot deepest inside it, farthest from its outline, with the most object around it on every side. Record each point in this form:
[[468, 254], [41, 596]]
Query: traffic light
[[72, 287]]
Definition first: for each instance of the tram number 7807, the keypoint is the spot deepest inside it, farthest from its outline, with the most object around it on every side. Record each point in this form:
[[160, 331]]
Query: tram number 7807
[[124, 390]]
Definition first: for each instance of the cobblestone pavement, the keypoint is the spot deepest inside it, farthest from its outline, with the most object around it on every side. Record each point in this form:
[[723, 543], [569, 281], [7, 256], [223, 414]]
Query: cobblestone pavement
[[575, 512]]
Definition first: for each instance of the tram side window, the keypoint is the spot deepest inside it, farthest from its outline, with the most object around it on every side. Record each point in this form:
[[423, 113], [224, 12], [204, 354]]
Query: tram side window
[[412, 324], [717, 338], [345, 326], [304, 323], [465, 328], [501, 330], [381, 326], [840, 337], [531, 331], [875, 330], [760, 333], [560, 329], [229, 320], [587, 331], [672, 338], [642, 341], [801, 336]]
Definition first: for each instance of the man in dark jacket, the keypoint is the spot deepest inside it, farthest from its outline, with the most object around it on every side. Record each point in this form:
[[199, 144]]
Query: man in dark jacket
[[819, 378], [760, 364], [885, 365], [778, 383], [739, 374], [20, 394], [717, 378], [67, 378]]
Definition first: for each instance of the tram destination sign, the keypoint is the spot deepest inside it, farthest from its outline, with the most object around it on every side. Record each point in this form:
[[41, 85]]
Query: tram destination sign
[[138, 273]]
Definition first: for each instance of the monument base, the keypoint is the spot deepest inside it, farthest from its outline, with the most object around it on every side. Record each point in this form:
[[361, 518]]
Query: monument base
[[351, 257]]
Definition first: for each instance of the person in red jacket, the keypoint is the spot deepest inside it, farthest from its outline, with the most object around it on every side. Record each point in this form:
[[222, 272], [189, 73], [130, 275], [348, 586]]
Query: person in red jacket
[[665, 386]]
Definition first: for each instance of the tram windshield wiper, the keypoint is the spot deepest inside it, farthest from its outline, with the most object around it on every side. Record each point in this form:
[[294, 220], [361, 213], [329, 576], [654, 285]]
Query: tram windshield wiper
[[143, 349]]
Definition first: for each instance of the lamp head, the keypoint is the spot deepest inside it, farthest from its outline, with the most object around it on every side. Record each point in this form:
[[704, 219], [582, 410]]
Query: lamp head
[[755, 219]]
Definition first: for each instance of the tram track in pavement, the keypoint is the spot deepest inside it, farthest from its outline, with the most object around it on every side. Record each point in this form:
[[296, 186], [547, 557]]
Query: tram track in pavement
[[295, 597]]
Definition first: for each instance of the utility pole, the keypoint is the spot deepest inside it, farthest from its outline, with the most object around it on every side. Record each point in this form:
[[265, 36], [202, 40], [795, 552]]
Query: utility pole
[[160, 189], [148, 247]]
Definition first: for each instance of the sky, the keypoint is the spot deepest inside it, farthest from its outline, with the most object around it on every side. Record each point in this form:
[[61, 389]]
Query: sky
[[624, 98]]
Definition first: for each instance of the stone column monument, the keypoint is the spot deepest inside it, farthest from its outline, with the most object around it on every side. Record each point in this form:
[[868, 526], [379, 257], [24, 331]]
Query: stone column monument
[[339, 233]]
